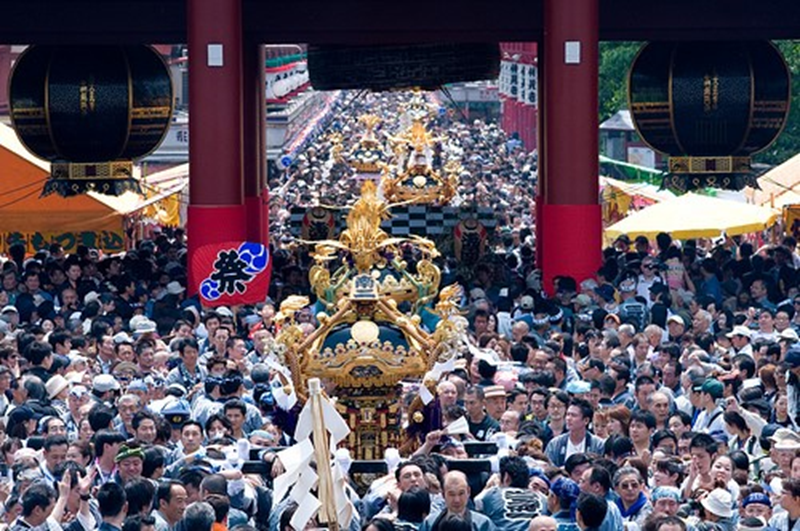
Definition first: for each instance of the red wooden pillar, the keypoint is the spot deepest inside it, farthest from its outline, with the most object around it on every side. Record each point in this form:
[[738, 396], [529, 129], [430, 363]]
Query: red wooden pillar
[[570, 217], [255, 165], [216, 210]]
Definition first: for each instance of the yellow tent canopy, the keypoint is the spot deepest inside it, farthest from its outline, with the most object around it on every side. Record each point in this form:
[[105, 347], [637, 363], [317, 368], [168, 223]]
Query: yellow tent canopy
[[780, 186], [92, 219], [160, 200], [695, 216]]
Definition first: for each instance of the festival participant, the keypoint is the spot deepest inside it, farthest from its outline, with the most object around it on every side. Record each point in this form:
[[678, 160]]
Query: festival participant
[[120, 370], [632, 502], [577, 438], [456, 497], [590, 511], [563, 494], [38, 501], [513, 484], [481, 424], [597, 480], [790, 502]]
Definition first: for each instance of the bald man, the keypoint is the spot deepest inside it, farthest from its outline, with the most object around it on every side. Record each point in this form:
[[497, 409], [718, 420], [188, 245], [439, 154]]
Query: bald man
[[456, 497], [543, 523], [448, 394]]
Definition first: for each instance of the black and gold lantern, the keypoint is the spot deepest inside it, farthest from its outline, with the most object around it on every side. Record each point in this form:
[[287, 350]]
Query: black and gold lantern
[[90, 111], [709, 106], [390, 67]]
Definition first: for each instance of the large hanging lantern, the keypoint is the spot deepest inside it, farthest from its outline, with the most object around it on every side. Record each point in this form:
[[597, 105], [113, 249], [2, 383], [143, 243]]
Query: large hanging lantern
[[90, 111], [709, 106], [426, 66]]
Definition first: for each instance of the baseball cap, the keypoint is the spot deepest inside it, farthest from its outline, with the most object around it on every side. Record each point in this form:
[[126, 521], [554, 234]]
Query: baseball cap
[[176, 413], [59, 362], [134, 321], [628, 285], [121, 338], [659, 287], [137, 385], [757, 497], [103, 383], [769, 431], [145, 326], [176, 389], [78, 391], [126, 452], [578, 387], [451, 443], [713, 387], [740, 330], [676, 319], [477, 293], [252, 319], [526, 302], [125, 366], [793, 357], [22, 414], [606, 291], [224, 311], [582, 300]]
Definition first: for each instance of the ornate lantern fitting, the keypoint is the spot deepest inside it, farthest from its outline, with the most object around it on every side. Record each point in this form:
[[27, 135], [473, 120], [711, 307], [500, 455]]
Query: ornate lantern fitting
[[91, 110], [709, 106]]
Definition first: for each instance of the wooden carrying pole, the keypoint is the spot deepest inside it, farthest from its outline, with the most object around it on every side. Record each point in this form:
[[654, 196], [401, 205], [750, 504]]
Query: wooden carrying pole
[[327, 510]]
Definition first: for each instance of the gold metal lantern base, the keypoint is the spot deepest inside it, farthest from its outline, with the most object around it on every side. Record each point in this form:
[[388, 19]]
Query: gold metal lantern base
[[68, 179]]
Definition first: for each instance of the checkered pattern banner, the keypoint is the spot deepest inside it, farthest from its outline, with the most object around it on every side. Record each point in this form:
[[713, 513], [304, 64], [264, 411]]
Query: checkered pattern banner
[[429, 221]]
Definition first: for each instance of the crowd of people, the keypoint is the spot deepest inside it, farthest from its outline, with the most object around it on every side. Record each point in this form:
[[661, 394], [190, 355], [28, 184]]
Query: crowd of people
[[660, 395], [497, 171]]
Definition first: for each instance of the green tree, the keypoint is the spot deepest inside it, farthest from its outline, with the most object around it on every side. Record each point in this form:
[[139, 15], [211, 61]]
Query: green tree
[[787, 144], [615, 61]]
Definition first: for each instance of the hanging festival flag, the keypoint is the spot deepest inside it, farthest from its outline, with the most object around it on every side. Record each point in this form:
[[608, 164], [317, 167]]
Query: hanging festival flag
[[232, 273]]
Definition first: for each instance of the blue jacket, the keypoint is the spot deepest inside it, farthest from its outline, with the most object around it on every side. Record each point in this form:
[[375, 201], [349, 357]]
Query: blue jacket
[[556, 450], [613, 519]]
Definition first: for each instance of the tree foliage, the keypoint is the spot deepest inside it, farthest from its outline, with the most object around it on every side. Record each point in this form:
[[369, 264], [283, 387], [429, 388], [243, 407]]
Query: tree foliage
[[615, 61], [788, 143]]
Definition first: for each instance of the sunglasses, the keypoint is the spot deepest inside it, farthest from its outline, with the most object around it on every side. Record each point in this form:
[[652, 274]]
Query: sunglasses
[[629, 485]]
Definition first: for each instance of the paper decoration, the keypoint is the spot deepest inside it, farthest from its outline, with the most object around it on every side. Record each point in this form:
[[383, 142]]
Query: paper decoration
[[458, 427], [319, 419]]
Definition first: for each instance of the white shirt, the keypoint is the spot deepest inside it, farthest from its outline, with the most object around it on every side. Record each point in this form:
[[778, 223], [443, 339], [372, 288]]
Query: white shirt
[[643, 287], [579, 448], [710, 422], [758, 335]]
